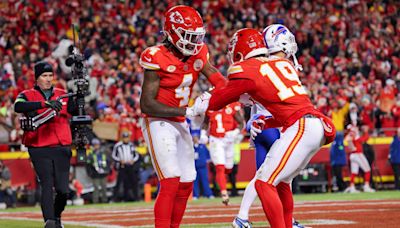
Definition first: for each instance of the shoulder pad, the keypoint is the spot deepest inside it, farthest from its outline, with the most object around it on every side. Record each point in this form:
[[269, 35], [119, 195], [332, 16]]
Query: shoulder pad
[[149, 58]]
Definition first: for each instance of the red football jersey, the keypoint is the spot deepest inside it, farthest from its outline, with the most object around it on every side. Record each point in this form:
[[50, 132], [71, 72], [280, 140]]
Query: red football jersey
[[278, 87], [176, 77], [355, 145], [223, 120]]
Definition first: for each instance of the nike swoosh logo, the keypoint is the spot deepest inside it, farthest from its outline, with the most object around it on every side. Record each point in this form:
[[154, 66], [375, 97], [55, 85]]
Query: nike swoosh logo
[[147, 59]]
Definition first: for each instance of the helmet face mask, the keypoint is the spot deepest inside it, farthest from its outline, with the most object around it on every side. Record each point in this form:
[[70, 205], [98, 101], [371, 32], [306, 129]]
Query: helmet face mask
[[190, 42], [185, 30]]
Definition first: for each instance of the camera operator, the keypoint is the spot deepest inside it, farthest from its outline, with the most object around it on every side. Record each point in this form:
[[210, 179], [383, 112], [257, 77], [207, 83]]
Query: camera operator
[[49, 146]]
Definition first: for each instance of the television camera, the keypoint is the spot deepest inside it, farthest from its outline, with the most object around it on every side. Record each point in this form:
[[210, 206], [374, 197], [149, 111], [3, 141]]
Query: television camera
[[80, 121]]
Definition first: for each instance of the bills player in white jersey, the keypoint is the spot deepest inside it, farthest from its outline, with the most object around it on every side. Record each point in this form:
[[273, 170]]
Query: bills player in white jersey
[[275, 84]]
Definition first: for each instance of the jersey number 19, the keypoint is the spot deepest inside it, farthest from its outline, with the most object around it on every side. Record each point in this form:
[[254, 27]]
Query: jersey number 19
[[286, 70]]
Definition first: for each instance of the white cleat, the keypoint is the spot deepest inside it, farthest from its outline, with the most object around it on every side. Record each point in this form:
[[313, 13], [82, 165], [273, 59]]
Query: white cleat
[[351, 189], [241, 223], [367, 188]]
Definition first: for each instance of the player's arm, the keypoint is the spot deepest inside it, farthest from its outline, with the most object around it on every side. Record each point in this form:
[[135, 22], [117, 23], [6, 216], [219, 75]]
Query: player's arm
[[204, 133], [213, 75], [206, 123], [230, 93], [148, 103], [239, 119]]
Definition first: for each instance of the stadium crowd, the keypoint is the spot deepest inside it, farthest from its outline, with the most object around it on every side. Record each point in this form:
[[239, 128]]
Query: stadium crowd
[[349, 49]]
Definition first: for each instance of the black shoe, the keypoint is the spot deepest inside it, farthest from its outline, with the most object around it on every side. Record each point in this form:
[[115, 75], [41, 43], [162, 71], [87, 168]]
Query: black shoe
[[58, 223], [50, 223]]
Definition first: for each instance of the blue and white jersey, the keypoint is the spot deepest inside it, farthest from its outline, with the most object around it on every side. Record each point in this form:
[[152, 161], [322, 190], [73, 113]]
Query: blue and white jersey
[[257, 108]]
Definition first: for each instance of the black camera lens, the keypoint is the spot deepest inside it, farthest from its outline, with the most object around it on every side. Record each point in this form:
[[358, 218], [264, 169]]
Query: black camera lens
[[79, 65]]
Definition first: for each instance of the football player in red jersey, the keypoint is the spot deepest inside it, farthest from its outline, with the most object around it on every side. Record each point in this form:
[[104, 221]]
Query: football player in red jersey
[[355, 139], [224, 128], [273, 82], [171, 69]]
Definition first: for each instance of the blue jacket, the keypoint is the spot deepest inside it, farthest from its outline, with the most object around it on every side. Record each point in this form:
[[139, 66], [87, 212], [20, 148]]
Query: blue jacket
[[337, 153], [395, 151]]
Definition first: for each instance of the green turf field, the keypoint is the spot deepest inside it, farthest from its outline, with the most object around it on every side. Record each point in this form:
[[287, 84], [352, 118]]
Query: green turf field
[[9, 223]]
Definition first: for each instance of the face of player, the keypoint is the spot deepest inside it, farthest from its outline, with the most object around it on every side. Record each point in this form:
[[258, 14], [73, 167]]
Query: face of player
[[125, 139], [44, 81]]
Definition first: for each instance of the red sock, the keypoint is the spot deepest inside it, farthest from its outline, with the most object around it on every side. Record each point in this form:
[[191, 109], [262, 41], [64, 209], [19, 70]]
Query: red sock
[[271, 203], [165, 202], [180, 202], [220, 176], [228, 171], [367, 176], [285, 194], [352, 176]]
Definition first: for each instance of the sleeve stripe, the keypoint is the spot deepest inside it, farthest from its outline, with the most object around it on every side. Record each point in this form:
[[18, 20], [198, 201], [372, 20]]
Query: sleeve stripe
[[235, 69], [19, 100], [150, 66]]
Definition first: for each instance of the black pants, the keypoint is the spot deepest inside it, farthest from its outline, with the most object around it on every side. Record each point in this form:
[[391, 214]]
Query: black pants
[[396, 171], [130, 178], [52, 168], [337, 172]]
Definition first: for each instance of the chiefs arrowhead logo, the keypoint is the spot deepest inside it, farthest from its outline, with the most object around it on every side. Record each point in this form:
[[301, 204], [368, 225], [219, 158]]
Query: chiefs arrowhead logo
[[176, 17]]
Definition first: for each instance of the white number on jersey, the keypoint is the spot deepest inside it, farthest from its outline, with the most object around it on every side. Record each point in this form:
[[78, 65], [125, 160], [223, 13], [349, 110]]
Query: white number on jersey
[[220, 124], [183, 90], [286, 70], [153, 50]]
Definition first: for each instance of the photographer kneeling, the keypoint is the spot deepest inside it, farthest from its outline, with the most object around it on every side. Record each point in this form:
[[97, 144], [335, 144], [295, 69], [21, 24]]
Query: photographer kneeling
[[49, 145]]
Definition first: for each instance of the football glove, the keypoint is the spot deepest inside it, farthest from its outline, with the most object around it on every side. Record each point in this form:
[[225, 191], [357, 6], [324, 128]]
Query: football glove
[[257, 127], [200, 105], [54, 104]]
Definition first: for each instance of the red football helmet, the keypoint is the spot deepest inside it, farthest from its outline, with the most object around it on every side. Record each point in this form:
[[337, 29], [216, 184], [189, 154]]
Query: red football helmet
[[246, 43], [185, 30]]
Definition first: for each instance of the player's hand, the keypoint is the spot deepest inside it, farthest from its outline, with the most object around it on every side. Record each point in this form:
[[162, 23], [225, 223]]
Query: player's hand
[[203, 137], [53, 104], [257, 127], [200, 105]]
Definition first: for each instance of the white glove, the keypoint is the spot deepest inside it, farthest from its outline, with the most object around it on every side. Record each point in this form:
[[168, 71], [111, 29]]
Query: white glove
[[203, 137], [256, 128], [246, 100], [196, 122], [232, 134], [200, 105], [239, 138]]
